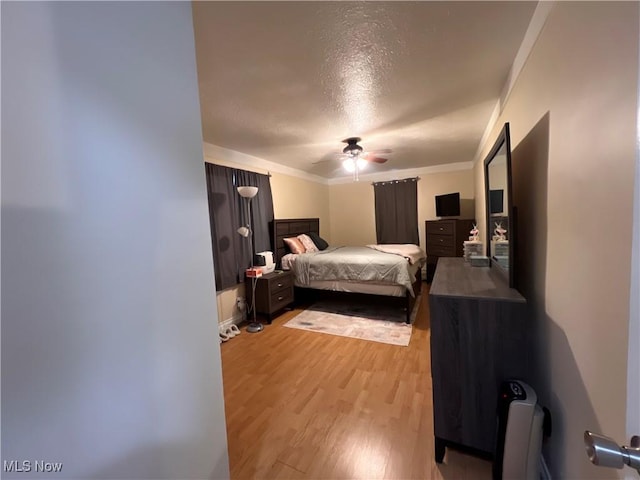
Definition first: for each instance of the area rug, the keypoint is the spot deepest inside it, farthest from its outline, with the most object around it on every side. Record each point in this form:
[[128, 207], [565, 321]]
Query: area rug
[[374, 322]]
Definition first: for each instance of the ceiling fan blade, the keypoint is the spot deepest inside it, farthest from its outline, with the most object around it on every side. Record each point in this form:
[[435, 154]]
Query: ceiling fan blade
[[375, 159], [383, 150]]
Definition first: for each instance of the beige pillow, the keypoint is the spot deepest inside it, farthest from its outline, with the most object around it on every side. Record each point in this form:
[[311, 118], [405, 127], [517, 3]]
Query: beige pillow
[[294, 245], [308, 244]]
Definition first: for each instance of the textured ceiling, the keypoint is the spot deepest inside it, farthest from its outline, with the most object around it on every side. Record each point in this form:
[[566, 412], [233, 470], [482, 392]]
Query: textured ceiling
[[287, 81]]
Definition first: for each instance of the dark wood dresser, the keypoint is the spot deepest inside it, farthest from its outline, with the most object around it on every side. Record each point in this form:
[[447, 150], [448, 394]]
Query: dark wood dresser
[[274, 291], [479, 333], [444, 239]]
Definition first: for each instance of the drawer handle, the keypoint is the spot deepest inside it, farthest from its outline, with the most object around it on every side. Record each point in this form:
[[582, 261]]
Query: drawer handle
[[441, 240], [441, 228], [280, 298], [279, 285]]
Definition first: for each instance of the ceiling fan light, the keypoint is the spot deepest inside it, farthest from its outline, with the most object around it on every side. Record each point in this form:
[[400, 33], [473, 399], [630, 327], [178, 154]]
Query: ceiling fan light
[[361, 163], [349, 165]]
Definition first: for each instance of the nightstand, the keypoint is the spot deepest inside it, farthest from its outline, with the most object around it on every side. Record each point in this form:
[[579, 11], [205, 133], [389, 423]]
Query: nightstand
[[274, 291]]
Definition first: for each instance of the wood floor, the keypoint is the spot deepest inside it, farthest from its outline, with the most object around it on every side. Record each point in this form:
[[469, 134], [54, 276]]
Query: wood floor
[[305, 405]]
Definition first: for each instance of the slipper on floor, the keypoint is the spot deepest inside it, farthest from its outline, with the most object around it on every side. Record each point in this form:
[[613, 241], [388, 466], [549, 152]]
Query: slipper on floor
[[224, 337], [231, 331]]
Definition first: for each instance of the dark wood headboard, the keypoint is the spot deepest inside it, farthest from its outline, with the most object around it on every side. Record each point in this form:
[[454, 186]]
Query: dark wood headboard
[[290, 227]]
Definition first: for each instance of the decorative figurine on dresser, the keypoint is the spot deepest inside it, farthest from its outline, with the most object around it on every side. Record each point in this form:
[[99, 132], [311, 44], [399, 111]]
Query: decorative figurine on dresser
[[473, 246], [499, 233], [500, 245], [474, 234]]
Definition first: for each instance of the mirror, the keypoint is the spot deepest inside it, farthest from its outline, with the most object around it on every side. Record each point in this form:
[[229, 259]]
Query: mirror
[[498, 206]]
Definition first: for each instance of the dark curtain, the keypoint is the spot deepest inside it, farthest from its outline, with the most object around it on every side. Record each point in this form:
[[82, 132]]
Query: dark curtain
[[396, 205], [224, 214], [227, 212]]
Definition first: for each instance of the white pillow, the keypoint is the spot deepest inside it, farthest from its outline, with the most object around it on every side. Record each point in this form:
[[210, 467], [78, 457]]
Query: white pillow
[[308, 243]]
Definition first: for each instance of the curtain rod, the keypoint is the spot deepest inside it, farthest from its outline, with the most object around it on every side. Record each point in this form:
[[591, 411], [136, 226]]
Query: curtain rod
[[404, 180]]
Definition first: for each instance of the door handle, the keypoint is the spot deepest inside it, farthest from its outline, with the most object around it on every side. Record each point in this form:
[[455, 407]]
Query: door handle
[[605, 452]]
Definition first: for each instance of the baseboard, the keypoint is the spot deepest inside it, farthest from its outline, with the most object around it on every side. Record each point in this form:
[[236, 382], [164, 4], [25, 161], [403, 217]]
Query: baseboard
[[544, 470], [234, 320]]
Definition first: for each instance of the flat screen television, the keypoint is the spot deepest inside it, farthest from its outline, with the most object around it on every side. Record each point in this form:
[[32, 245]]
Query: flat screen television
[[496, 201], [448, 205]]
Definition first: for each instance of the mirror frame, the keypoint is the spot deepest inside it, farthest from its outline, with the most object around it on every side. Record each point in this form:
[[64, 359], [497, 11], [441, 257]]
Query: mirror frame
[[503, 139]]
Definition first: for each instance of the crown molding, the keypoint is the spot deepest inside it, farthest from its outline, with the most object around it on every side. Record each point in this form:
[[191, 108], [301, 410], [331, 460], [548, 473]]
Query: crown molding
[[213, 153], [538, 20]]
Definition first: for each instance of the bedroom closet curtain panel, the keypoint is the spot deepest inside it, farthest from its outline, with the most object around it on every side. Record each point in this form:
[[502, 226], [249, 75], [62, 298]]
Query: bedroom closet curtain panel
[[396, 208], [227, 212]]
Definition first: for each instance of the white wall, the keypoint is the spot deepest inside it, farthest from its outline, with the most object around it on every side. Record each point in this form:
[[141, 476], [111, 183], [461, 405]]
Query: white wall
[[633, 363], [573, 118], [352, 205], [110, 355]]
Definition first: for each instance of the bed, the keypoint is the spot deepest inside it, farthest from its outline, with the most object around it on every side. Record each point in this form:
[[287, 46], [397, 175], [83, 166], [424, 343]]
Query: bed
[[400, 281]]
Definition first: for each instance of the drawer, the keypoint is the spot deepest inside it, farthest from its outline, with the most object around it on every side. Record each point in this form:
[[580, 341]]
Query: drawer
[[440, 228], [440, 240], [282, 282], [282, 291], [281, 299], [438, 251]]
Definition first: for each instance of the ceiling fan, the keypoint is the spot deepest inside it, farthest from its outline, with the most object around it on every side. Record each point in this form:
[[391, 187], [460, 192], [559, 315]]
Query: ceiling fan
[[354, 150], [357, 159]]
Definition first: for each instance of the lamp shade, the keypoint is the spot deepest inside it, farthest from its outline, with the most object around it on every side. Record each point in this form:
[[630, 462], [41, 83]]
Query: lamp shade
[[247, 192]]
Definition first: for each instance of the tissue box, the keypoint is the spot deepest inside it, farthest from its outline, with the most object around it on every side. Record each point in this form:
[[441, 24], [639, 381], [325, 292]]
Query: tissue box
[[254, 272], [479, 261]]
